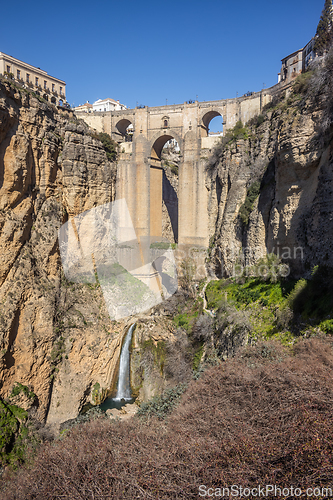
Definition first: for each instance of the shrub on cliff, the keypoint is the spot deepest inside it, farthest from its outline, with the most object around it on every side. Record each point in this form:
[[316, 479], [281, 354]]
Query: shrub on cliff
[[17, 440], [235, 134], [109, 145], [247, 207]]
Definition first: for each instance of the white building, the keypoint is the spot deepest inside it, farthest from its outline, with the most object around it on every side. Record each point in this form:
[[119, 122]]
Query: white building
[[86, 108], [108, 105]]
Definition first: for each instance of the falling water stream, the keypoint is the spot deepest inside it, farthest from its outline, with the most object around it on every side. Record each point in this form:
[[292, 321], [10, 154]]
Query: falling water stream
[[123, 395]]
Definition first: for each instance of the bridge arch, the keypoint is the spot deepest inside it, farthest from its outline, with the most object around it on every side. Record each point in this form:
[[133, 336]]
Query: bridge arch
[[159, 140], [163, 189], [124, 127], [206, 118]]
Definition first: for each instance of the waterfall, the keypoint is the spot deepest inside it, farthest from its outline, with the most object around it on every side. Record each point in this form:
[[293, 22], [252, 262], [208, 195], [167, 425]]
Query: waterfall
[[124, 387]]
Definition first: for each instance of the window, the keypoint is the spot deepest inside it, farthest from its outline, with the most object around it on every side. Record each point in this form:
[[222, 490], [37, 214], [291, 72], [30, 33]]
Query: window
[[53, 89], [60, 90], [18, 74], [36, 81], [28, 78], [45, 84], [165, 123], [8, 69]]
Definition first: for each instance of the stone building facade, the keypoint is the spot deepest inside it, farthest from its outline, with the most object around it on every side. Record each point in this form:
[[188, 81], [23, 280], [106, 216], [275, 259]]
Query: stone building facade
[[292, 66], [297, 62], [50, 88]]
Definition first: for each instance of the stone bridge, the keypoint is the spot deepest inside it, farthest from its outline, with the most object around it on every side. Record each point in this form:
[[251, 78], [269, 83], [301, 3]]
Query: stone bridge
[[142, 133]]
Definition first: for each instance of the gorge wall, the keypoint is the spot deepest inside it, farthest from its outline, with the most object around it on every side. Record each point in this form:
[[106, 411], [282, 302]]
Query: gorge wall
[[288, 152], [55, 337]]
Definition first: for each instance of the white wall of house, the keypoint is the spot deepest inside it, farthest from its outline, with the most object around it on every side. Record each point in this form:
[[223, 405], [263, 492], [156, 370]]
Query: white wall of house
[[107, 105]]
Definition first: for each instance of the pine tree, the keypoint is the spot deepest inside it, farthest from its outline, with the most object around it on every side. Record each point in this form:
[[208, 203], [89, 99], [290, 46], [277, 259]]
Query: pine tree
[[324, 34]]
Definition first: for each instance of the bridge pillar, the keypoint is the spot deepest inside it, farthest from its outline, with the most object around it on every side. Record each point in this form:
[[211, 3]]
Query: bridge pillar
[[192, 196], [133, 184], [156, 183]]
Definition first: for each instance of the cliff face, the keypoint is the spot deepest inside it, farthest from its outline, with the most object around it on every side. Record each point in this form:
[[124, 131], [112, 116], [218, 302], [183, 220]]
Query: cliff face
[[53, 335], [290, 156]]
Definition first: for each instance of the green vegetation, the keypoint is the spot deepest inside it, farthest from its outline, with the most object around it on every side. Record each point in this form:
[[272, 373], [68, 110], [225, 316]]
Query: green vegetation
[[275, 306], [20, 388], [173, 166], [96, 394], [110, 146], [302, 83], [256, 121], [174, 169], [197, 357], [324, 33], [247, 207], [161, 406], [161, 245], [16, 439], [235, 134], [9, 79], [187, 318], [58, 350]]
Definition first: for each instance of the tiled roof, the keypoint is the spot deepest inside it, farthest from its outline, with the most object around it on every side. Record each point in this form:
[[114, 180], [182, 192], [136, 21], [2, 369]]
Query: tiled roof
[[100, 101]]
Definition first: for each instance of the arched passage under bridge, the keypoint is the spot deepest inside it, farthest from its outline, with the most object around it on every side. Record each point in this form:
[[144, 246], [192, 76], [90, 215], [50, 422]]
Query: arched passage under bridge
[[164, 187]]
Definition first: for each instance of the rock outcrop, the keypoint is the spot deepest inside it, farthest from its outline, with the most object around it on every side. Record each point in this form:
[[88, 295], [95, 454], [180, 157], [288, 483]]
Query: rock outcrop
[[287, 152], [55, 337]]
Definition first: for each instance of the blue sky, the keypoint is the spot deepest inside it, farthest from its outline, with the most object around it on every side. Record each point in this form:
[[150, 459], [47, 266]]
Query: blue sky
[[147, 52]]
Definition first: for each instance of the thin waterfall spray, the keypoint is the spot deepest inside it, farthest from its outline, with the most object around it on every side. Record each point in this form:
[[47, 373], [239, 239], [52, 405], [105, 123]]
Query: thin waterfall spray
[[124, 386]]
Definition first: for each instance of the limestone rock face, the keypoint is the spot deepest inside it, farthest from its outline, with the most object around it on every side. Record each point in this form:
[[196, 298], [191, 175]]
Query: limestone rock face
[[291, 217], [54, 337], [159, 358]]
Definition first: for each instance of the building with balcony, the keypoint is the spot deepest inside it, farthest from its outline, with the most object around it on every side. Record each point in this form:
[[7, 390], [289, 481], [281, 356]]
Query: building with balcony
[[50, 88]]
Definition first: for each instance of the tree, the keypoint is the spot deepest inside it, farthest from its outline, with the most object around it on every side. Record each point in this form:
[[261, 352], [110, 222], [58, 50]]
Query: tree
[[324, 34]]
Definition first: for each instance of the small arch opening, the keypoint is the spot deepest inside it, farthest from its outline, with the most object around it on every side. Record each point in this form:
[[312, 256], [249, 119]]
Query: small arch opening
[[158, 146], [216, 126], [125, 129], [212, 124]]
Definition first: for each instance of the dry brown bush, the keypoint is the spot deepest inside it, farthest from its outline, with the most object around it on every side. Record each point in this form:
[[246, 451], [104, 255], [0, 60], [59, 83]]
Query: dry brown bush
[[265, 417]]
